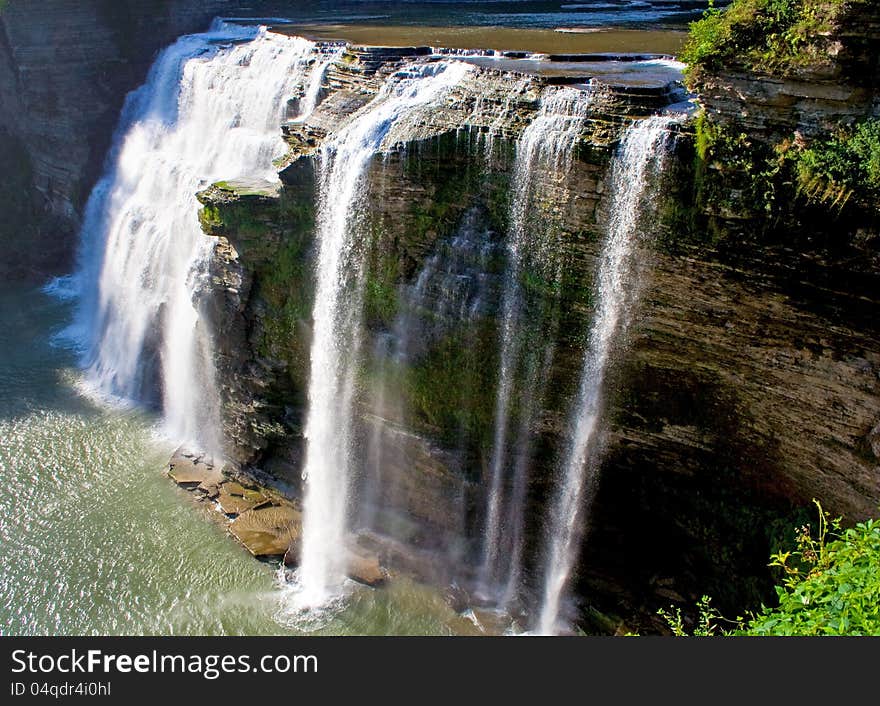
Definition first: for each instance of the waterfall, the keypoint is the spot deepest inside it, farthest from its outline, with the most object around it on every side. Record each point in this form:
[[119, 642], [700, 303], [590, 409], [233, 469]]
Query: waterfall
[[342, 163], [543, 152], [449, 290], [642, 147], [316, 83], [210, 108]]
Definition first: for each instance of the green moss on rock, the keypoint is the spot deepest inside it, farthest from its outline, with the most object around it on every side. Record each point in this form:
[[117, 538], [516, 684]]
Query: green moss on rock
[[451, 389]]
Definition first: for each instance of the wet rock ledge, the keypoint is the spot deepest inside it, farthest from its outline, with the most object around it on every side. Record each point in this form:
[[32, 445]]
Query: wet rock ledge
[[267, 524]]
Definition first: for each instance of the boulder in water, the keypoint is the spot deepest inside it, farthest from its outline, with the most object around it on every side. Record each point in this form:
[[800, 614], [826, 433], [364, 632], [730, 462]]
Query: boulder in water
[[268, 531], [191, 471], [209, 490], [364, 568], [235, 499], [291, 556]]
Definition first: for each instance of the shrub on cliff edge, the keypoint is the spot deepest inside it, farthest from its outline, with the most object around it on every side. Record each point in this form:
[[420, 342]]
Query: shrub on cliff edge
[[842, 166], [764, 36]]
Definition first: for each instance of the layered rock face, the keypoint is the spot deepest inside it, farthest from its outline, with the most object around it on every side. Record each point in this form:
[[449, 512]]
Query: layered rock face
[[757, 341], [65, 67], [813, 99], [817, 266], [749, 383]]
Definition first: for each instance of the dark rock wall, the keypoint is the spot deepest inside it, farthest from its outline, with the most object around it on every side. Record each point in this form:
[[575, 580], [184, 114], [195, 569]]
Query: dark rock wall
[[65, 67], [749, 384]]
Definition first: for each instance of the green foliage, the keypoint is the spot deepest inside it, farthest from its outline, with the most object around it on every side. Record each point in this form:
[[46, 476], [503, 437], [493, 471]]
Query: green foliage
[[210, 219], [830, 585], [753, 172], [762, 35], [845, 165], [832, 171], [707, 36], [707, 622], [779, 37]]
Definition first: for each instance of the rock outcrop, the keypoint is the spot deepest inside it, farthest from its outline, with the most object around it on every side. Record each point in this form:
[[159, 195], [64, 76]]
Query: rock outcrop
[[836, 88], [749, 385]]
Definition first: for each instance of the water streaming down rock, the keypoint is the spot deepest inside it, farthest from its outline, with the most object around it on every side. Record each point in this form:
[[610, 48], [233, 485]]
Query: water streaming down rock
[[451, 288], [316, 84], [640, 153], [453, 296], [543, 154], [342, 161], [210, 109]]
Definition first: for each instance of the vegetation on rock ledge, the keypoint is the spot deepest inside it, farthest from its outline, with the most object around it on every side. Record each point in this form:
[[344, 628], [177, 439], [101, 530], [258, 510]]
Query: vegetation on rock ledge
[[774, 36], [843, 165], [834, 170]]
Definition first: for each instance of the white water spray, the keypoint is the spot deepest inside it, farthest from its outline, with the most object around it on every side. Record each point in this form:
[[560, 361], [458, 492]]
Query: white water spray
[[544, 151], [211, 108], [642, 147], [343, 161]]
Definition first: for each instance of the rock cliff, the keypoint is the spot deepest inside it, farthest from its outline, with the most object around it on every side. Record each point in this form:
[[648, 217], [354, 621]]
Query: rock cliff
[[749, 385], [750, 382]]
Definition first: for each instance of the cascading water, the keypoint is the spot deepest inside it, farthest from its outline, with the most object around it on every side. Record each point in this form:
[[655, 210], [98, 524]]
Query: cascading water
[[451, 288], [342, 163], [453, 295], [316, 84], [543, 151], [642, 147], [210, 108]]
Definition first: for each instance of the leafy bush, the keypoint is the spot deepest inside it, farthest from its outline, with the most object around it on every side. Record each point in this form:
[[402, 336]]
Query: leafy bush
[[830, 586], [842, 166], [830, 171], [762, 35], [750, 168]]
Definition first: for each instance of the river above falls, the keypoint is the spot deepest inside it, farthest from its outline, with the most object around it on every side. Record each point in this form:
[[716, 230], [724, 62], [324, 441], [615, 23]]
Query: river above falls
[[95, 539], [478, 38]]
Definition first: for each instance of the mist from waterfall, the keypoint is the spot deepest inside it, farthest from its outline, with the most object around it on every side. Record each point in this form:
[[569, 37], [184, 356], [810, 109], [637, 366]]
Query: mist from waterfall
[[452, 297], [210, 109], [336, 339], [543, 156], [639, 156]]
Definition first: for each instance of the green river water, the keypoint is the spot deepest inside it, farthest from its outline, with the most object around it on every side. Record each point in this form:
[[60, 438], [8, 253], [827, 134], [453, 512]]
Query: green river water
[[95, 539]]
